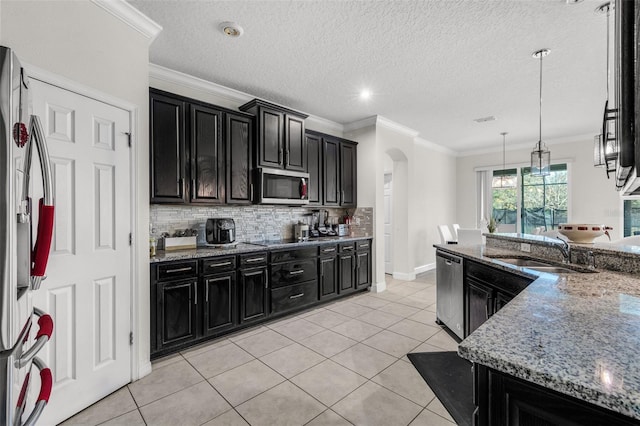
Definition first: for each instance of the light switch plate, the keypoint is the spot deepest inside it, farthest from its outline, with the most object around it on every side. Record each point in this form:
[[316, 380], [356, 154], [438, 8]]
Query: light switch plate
[[525, 247]]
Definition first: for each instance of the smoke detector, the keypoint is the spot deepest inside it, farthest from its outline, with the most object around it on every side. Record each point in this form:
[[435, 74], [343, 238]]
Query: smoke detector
[[231, 29]]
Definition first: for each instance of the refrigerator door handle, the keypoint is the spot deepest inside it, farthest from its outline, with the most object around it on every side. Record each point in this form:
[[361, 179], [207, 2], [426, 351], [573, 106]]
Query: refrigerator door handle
[[42, 246], [45, 322], [46, 383]]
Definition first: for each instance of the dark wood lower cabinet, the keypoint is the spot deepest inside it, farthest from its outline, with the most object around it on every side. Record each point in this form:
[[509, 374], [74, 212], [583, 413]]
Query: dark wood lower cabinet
[[219, 303], [253, 285], [198, 299], [346, 268], [479, 301], [176, 310], [328, 277], [503, 400]]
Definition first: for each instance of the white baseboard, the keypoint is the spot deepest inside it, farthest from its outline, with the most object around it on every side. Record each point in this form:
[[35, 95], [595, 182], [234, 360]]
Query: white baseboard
[[425, 268], [378, 287], [145, 369], [404, 277]]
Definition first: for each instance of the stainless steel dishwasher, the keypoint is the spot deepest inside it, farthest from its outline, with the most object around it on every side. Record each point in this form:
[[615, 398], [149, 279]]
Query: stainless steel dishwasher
[[450, 292]]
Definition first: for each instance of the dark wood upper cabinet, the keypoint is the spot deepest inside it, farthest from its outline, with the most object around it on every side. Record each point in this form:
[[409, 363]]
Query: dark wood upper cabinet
[[280, 141], [214, 167], [314, 166], [239, 138], [348, 175], [207, 156], [295, 146], [168, 156], [330, 171]]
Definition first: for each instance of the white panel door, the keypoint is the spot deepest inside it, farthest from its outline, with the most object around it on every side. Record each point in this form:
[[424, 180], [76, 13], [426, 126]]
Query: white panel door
[[88, 285], [388, 208]]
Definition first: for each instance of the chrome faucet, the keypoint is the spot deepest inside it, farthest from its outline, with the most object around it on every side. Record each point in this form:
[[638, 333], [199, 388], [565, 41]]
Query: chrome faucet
[[565, 249]]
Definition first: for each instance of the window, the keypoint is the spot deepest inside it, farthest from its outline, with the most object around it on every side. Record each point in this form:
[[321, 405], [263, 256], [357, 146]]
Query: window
[[631, 217], [521, 201]]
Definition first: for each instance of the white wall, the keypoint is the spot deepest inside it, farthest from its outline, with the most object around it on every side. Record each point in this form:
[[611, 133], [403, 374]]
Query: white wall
[[82, 42], [592, 198]]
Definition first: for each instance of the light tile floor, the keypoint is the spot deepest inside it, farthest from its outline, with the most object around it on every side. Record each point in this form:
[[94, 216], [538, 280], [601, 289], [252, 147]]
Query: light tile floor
[[338, 364]]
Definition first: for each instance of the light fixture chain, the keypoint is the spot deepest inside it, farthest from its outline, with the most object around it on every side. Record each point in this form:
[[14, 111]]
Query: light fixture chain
[[540, 121]]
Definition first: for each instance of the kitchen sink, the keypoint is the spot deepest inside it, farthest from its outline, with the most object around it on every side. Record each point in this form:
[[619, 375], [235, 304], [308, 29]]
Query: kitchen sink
[[522, 262], [541, 266]]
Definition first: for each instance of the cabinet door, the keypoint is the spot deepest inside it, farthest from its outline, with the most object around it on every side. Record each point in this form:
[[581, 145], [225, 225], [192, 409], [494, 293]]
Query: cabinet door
[[348, 175], [168, 155], [219, 303], [295, 154], [314, 167], [346, 273], [501, 300], [176, 312], [270, 138], [479, 304], [330, 171], [207, 156], [363, 268], [238, 142], [328, 277], [253, 294]]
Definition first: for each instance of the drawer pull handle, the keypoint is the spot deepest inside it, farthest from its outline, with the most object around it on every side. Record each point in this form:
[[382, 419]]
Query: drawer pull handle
[[255, 259], [215, 265], [364, 245], [295, 296], [348, 248], [301, 271], [173, 271], [328, 250]]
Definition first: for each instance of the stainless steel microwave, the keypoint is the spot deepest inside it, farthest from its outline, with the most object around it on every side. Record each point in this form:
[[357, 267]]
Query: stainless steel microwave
[[282, 187]]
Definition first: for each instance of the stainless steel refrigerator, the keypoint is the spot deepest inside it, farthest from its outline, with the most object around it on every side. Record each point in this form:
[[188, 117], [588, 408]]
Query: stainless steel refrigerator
[[26, 230]]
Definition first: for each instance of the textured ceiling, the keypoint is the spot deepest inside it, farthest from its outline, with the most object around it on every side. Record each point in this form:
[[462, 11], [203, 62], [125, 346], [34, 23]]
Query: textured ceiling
[[433, 66]]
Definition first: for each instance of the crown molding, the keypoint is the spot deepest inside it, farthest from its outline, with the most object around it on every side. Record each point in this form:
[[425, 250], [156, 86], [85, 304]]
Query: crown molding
[[392, 125], [159, 72], [131, 16], [435, 147], [360, 124], [527, 145]]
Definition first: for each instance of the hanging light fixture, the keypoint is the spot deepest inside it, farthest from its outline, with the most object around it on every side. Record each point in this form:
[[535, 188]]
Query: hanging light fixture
[[605, 147], [505, 181], [540, 156]]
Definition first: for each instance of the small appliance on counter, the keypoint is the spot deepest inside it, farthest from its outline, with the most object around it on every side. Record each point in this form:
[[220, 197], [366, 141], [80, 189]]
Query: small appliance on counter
[[301, 231], [342, 229], [219, 231]]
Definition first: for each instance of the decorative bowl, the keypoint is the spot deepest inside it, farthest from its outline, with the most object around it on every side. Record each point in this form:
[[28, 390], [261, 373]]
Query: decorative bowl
[[583, 232]]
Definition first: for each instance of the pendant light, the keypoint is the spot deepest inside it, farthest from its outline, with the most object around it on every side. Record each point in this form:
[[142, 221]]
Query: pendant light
[[504, 181], [605, 149], [540, 156]]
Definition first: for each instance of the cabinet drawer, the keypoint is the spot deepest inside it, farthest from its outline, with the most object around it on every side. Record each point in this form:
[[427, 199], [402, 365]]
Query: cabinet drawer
[[346, 247], [293, 272], [363, 245], [295, 254], [253, 259], [218, 264], [294, 296], [171, 271], [509, 283], [328, 250]]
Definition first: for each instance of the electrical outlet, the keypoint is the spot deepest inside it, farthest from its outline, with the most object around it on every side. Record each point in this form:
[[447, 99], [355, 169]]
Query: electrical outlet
[[357, 221], [525, 247]]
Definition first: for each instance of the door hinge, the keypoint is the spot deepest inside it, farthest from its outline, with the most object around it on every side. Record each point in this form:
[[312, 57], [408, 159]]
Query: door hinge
[[128, 137], [131, 338], [130, 238]]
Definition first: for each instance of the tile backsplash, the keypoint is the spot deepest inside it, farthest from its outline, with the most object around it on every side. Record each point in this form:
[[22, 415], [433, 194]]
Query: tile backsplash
[[253, 223]]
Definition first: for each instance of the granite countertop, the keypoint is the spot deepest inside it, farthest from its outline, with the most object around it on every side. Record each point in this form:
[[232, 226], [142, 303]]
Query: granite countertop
[[164, 256], [577, 333]]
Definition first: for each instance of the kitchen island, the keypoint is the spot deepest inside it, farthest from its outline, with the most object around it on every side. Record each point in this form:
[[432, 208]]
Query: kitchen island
[[574, 335]]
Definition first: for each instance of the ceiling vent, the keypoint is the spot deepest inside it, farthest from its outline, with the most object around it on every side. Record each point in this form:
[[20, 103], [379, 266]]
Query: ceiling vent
[[485, 119]]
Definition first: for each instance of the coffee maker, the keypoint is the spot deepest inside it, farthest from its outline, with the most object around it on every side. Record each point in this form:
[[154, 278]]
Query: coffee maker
[[319, 225]]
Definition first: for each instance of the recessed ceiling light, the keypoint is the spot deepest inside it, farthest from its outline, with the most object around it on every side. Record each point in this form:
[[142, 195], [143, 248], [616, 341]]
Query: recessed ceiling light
[[231, 29], [485, 119], [365, 94]]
